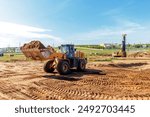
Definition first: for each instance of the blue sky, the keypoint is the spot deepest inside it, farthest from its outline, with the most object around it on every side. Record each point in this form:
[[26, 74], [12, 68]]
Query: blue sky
[[74, 21]]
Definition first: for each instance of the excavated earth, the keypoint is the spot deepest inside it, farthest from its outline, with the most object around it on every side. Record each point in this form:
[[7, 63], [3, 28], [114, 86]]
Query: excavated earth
[[120, 79]]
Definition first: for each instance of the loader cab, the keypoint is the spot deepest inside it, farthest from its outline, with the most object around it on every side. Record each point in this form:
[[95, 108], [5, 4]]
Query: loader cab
[[68, 49]]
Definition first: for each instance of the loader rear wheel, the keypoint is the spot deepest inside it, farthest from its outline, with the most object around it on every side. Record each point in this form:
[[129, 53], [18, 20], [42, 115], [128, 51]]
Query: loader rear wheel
[[48, 67], [81, 65], [63, 67]]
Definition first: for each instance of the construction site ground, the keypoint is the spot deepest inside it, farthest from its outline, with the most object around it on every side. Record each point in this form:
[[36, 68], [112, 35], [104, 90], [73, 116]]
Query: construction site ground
[[125, 79]]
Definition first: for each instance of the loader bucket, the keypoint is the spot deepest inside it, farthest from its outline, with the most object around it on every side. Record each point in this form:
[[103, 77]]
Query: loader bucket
[[36, 54]]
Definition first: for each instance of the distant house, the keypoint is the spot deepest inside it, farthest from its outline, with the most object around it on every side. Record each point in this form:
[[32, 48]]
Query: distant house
[[17, 50], [110, 45], [12, 50], [106, 45], [144, 46]]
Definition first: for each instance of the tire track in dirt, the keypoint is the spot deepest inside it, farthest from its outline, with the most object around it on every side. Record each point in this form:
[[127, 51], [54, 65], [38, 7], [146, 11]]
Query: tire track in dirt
[[72, 94], [30, 83], [110, 84], [80, 93], [10, 91]]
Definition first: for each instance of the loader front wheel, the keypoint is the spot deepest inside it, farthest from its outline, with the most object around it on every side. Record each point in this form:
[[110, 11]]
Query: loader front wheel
[[48, 67], [81, 65], [63, 67]]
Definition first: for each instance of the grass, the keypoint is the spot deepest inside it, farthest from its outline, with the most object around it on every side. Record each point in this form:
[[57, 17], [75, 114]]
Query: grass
[[100, 52], [15, 57]]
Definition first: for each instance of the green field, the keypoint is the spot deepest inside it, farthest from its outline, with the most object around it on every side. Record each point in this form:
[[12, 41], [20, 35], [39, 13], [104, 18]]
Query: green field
[[16, 57], [100, 52]]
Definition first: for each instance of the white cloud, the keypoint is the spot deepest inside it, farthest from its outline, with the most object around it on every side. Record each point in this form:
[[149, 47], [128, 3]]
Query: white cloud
[[137, 33], [10, 33]]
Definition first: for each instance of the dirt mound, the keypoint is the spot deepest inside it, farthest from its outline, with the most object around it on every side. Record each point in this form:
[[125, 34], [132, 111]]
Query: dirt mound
[[140, 54], [33, 44]]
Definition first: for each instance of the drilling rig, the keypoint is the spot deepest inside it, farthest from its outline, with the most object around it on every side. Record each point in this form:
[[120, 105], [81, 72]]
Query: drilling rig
[[122, 52]]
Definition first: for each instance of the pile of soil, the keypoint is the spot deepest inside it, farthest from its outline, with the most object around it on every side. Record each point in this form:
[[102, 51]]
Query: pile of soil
[[33, 44], [140, 54]]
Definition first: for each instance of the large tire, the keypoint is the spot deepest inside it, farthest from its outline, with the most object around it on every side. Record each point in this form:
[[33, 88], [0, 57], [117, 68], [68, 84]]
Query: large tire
[[81, 65], [48, 67], [63, 67]]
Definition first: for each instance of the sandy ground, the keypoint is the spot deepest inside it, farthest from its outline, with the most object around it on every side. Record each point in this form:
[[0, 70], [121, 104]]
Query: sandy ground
[[124, 79]]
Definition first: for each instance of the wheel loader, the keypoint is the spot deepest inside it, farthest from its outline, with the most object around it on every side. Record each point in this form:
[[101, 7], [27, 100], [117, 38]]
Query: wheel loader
[[65, 60]]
